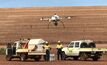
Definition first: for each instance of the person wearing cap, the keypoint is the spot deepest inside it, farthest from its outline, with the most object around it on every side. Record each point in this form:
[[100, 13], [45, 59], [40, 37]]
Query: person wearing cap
[[59, 50], [47, 48]]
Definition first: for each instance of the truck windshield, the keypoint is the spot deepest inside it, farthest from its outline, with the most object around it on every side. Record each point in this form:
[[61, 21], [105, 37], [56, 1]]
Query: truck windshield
[[71, 44]]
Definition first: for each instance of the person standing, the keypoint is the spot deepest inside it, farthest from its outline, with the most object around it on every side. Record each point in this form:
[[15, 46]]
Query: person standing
[[59, 50], [47, 49]]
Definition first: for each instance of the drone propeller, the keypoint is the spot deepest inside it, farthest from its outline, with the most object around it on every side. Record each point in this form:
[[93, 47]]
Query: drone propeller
[[45, 19], [69, 17], [41, 18]]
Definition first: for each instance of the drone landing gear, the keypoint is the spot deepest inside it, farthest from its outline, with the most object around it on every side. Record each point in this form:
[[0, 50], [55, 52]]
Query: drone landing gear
[[48, 24], [56, 23], [63, 24]]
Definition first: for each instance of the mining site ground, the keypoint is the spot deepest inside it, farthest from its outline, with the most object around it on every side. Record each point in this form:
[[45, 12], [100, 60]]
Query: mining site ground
[[69, 61], [86, 23], [102, 61]]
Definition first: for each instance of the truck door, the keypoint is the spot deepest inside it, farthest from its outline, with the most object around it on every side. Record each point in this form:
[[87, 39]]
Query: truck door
[[75, 50], [14, 49], [70, 48], [9, 49]]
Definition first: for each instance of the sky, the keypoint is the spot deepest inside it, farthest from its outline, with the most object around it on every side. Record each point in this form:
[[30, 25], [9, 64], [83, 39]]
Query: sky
[[46, 3]]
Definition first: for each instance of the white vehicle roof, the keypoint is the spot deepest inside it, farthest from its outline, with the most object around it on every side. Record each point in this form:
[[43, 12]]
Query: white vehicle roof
[[87, 41], [17, 42], [36, 41]]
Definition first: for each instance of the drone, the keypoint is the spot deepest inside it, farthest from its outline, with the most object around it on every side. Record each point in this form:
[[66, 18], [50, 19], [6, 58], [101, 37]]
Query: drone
[[55, 19]]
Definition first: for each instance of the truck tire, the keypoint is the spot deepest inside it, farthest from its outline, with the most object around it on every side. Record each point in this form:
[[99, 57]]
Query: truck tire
[[95, 58], [83, 56], [37, 58], [63, 56], [8, 58], [75, 58], [23, 57]]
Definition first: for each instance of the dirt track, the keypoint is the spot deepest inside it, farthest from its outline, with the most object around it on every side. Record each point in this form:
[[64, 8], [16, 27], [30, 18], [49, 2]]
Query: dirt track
[[102, 61]]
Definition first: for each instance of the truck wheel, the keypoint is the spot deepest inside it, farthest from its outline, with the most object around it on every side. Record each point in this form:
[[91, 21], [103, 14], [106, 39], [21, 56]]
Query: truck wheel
[[95, 58], [8, 58], [75, 58], [37, 58], [83, 56], [23, 57], [63, 56]]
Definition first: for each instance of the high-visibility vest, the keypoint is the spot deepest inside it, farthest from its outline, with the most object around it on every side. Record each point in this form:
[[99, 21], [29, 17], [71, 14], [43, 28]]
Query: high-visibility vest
[[59, 46], [46, 47]]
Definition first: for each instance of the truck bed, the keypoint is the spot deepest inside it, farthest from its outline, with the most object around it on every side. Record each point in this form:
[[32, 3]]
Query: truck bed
[[36, 53], [93, 49], [30, 52]]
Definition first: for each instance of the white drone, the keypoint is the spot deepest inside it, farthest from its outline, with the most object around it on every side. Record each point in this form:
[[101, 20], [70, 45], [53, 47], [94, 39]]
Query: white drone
[[55, 19]]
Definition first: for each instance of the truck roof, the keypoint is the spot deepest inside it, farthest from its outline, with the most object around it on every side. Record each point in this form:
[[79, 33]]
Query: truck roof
[[32, 41], [88, 41], [36, 41]]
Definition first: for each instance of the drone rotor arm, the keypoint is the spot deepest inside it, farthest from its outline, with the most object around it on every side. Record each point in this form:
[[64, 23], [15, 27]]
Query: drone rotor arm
[[48, 24], [62, 24], [44, 19]]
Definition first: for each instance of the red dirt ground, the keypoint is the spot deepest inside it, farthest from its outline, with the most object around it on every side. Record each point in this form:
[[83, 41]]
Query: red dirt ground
[[102, 61], [86, 23]]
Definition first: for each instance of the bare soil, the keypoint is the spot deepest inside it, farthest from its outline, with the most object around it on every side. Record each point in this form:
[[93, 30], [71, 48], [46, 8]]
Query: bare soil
[[86, 23], [102, 61], [70, 61]]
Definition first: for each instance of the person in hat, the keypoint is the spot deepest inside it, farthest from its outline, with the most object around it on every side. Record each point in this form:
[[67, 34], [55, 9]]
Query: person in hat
[[47, 48], [59, 50]]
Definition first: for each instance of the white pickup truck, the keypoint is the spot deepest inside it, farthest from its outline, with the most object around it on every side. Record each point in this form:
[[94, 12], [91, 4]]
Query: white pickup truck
[[83, 50], [25, 49]]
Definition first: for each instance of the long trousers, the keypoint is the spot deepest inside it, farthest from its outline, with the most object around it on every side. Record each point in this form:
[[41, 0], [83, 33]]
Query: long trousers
[[47, 56], [59, 54]]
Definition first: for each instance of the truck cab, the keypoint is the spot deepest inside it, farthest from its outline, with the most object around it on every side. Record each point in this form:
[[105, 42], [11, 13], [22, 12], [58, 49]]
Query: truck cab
[[82, 49], [74, 46]]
